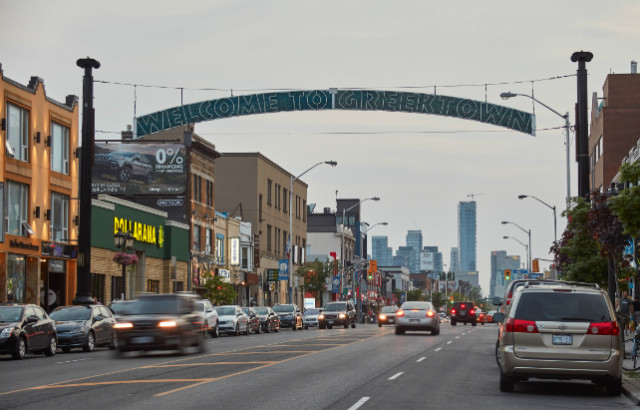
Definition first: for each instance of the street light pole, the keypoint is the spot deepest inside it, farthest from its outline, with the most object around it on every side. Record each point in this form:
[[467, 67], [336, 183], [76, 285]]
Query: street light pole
[[553, 208], [526, 247], [359, 308], [567, 130], [290, 241], [528, 232]]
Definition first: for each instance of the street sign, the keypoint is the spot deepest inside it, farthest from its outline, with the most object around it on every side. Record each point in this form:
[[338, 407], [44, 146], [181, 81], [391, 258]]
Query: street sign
[[272, 275]]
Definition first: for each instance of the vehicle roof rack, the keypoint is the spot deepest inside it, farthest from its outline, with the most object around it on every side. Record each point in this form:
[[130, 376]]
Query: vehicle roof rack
[[562, 282]]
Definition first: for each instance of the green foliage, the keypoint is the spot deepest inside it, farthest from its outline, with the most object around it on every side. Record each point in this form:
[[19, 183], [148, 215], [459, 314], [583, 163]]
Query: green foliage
[[626, 205], [416, 294], [217, 291], [438, 300], [315, 275]]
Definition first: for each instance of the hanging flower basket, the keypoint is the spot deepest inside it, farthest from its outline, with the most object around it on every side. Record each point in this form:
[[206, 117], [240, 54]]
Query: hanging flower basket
[[124, 258]]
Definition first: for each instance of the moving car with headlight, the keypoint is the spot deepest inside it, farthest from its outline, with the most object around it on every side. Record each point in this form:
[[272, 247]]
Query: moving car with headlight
[[560, 331], [161, 322], [26, 329], [290, 316], [269, 320], [338, 314], [310, 317], [85, 327], [387, 315], [415, 315], [232, 320]]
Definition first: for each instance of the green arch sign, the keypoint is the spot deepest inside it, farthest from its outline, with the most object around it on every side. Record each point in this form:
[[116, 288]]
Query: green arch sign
[[334, 99]]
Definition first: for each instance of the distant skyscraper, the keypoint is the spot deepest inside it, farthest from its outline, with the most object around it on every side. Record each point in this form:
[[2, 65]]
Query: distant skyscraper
[[499, 262], [467, 235], [403, 256], [431, 260], [380, 250], [414, 240], [454, 260]]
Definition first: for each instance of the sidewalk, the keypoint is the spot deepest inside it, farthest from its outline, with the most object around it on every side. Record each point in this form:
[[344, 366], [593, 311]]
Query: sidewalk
[[631, 385]]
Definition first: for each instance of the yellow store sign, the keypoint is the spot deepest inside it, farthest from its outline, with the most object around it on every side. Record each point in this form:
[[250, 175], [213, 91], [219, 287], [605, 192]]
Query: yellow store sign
[[142, 232]]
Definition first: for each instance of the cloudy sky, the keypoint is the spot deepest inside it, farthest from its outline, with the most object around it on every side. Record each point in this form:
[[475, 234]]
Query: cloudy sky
[[420, 166]]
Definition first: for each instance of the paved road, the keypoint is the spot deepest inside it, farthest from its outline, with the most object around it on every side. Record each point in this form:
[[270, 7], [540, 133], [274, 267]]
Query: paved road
[[367, 367]]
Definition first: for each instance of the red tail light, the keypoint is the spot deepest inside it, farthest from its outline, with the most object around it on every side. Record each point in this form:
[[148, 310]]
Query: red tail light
[[472, 312], [604, 328], [400, 313], [521, 326], [430, 313], [509, 298], [462, 306], [453, 311]]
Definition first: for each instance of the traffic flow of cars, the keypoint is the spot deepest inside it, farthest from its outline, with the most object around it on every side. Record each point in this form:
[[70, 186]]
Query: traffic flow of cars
[[84, 327]]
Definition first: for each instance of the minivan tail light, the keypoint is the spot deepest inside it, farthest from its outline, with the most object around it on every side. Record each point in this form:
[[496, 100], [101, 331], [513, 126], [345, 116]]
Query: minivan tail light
[[453, 311], [509, 296], [400, 313], [604, 328], [521, 326]]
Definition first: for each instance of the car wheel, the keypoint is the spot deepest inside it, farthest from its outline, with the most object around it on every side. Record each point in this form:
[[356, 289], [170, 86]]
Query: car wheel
[[506, 383], [346, 324], [614, 387], [124, 175], [259, 330], [90, 344], [379, 324], [353, 325], [473, 323], [53, 345], [118, 352], [202, 346], [321, 327], [330, 327], [216, 331], [434, 332], [114, 341], [294, 326], [237, 331], [453, 323], [21, 349], [247, 330]]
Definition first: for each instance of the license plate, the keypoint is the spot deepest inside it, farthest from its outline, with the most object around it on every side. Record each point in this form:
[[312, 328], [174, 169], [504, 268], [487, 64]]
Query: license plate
[[414, 320], [562, 339], [463, 313], [142, 339], [330, 322], [391, 321]]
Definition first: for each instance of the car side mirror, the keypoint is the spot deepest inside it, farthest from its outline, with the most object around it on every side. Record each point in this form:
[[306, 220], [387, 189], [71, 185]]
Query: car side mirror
[[498, 317], [98, 318], [497, 301]]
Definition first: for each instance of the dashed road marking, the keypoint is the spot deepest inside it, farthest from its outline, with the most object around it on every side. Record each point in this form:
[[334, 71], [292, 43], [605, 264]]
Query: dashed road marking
[[420, 359], [449, 342], [72, 361], [395, 376], [359, 403], [438, 349]]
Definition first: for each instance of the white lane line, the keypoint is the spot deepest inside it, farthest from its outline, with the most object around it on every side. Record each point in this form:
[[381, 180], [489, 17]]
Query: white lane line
[[420, 359], [457, 337], [72, 361], [359, 403], [395, 376], [438, 349], [449, 342]]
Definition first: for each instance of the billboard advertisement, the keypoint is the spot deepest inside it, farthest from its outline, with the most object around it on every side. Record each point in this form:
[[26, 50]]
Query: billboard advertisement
[[131, 169]]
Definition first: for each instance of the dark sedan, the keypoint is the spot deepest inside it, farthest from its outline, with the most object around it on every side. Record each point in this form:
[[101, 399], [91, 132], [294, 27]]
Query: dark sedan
[[254, 319], [84, 327], [387, 315], [290, 316], [26, 329], [269, 320]]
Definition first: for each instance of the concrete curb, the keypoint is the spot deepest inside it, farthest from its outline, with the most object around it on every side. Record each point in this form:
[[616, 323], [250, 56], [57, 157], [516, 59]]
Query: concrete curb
[[631, 388]]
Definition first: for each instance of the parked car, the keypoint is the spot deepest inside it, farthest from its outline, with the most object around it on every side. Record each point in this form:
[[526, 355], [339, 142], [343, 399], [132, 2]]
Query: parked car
[[119, 307], [416, 315], [169, 321], [84, 326], [269, 320], [560, 331], [290, 316], [337, 314], [26, 329], [125, 166], [254, 319], [209, 316], [232, 320], [387, 315], [310, 317], [463, 312]]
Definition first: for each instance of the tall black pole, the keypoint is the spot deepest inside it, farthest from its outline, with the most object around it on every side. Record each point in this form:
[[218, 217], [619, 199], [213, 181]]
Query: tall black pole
[[582, 136], [83, 290]]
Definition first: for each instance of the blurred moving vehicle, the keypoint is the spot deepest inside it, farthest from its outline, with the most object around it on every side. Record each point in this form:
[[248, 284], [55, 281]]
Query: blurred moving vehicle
[[232, 320], [310, 317], [387, 315], [168, 321], [463, 312], [562, 330], [415, 315], [489, 316], [254, 319], [480, 317], [290, 316], [336, 314], [119, 307], [269, 320], [26, 329], [84, 326], [209, 321]]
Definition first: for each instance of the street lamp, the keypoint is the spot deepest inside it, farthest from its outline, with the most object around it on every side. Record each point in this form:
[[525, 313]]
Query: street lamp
[[124, 242], [344, 211], [290, 242], [553, 208], [520, 242], [507, 95], [359, 308], [528, 232], [373, 226]]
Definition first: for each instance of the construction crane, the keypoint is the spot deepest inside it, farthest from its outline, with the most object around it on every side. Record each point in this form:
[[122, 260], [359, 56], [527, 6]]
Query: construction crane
[[473, 195]]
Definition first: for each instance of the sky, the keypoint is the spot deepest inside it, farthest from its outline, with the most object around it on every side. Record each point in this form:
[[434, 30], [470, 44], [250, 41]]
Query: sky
[[420, 165]]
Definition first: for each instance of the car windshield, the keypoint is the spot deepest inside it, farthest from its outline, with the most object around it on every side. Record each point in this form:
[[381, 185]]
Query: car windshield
[[416, 305], [388, 309], [71, 313], [199, 306], [226, 311], [562, 306], [10, 313], [335, 307], [120, 308], [246, 311], [262, 311], [283, 308], [155, 305], [312, 312]]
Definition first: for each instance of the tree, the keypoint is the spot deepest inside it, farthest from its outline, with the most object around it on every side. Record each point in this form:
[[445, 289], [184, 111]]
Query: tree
[[217, 291], [416, 294], [315, 275], [438, 300], [626, 205]]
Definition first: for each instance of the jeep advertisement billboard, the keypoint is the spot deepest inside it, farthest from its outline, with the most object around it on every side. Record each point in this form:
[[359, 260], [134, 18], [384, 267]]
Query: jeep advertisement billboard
[[131, 169]]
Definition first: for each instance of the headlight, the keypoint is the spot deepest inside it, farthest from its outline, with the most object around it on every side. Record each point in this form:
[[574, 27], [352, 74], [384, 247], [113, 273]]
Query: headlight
[[123, 325], [6, 332], [342, 315], [77, 330], [320, 316], [168, 323], [383, 317]]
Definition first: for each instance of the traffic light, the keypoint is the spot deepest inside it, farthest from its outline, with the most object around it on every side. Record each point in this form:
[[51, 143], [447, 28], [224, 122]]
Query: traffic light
[[507, 274]]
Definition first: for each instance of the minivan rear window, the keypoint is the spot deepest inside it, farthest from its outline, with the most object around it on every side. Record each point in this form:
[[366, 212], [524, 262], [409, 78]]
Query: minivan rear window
[[562, 306]]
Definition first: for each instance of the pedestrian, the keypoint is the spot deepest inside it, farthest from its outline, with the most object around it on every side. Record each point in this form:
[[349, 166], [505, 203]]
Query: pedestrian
[[625, 307]]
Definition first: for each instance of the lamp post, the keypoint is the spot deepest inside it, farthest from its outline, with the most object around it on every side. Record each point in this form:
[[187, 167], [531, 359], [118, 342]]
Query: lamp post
[[290, 242], [124, 242], [519, 241], [360, 278], [344, 211], [528, 232], [553, 208], [567, 130]]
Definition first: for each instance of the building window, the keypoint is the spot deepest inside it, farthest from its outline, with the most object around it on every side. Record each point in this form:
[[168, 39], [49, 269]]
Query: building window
[[220, 248], [178, 286], [285, 239], [15, 214], [209, 193], [18, 132], [196, 237], [97, 287], [277, 240], [269, 187], [268, 237], [59, 225], [278, 197], [304, 210], [59, 148], [285, 197], [245, 258], [260, 208], [153, 286], [207, 241], [197, 190]]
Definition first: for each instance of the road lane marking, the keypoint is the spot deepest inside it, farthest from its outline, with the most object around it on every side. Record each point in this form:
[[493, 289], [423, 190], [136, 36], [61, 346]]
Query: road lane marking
[[359, 403], [395, 376], [421, 359], [438, 349], [449, 342], [72, 361]]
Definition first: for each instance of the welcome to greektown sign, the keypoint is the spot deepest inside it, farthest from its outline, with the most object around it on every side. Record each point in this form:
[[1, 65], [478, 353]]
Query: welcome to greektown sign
[[334, 99]]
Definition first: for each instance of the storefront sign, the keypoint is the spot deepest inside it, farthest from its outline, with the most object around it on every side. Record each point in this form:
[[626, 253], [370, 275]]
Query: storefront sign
[[272, 275], [256, 250], [23, 245], [283, 269], [56, 265], [234, 250], [251, 278], [150, 234], [59, 250], [225, 275]]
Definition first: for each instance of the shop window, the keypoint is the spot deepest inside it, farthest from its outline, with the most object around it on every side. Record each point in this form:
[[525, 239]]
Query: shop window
[[116, 288], [15, 214], [59, 225], [17, 132], [153, 286], [16, 278], [59, 148]]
